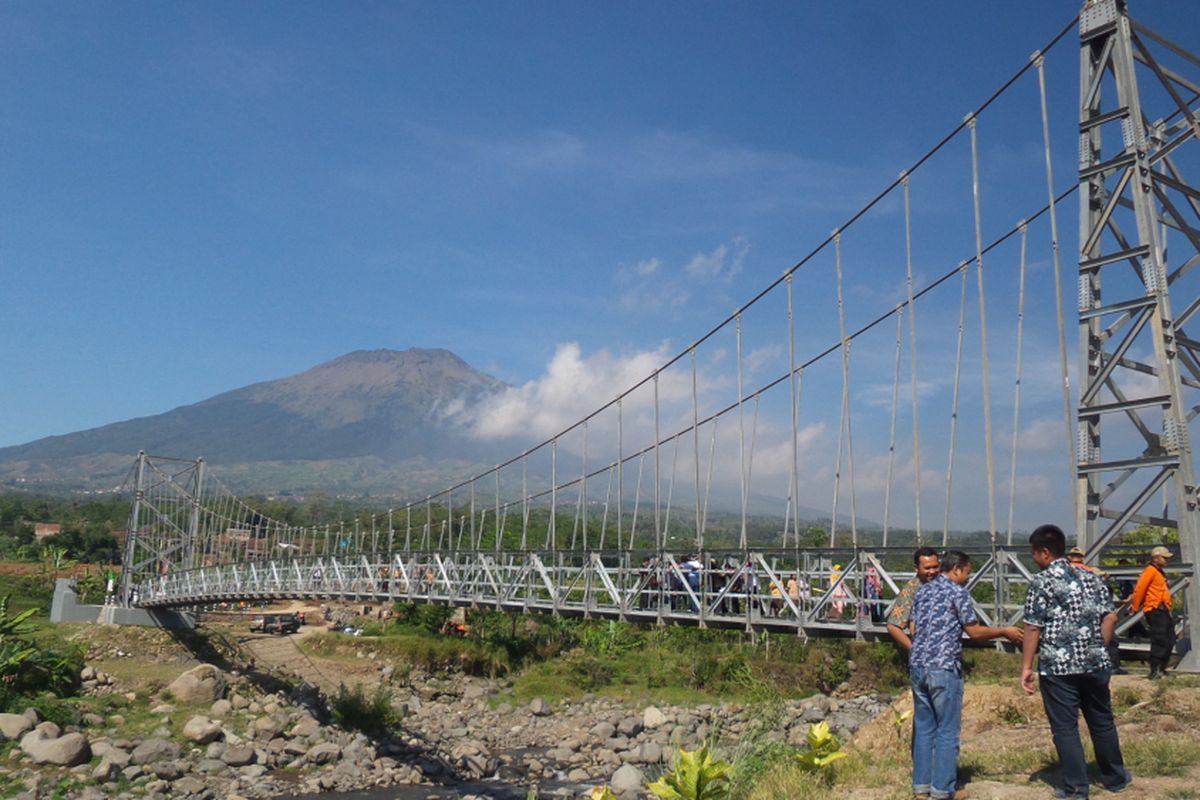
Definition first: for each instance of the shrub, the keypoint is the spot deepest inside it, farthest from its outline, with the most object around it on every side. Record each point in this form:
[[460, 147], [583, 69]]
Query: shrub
[[696, 776], [823, 748], [356, 709], [753, 761], [27, 669], [53, 709]]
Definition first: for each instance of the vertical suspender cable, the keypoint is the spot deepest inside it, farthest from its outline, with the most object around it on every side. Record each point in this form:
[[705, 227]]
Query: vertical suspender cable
[[427, 534], [914, 386], [604, 517], [499, 523], [637, 500], [845, 429], [671, 489], [985, 372], [551, 531], [712, 453], [887, 491], [620, 469], [525, 501], [794, 467], [699, 537], [1016, 425], [962, 314], [1058, 289], [658, 533], [741, 430], [583, 499]]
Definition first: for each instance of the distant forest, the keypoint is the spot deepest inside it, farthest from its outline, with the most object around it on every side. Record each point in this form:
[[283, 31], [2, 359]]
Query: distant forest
[[89, 525]]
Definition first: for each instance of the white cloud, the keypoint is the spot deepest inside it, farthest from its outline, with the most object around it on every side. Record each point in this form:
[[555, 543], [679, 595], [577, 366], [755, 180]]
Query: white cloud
[[723, 263], [1030, 489], [648, 267], [648, 285], [572, 387], [1042, 435]]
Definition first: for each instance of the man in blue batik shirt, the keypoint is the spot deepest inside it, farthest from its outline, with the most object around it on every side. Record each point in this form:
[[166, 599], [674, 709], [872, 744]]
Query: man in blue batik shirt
[[942, 613], [1069, 619]]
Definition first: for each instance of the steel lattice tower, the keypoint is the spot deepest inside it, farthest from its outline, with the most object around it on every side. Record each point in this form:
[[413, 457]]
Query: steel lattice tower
[[1139, 370]]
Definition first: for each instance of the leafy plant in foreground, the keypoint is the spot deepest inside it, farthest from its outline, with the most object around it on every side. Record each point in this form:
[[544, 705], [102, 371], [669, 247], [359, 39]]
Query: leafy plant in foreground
[[823, 748], [899, 723], [696, 777], [27, 669]]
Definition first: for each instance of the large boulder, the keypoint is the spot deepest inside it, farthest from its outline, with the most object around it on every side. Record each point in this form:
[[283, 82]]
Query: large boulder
[[201, 730], [324, 753], [64, 751], [627, 781], [238, 755], [653, 718], [307, 726], [14, 726], [153, 750], [199, 685]]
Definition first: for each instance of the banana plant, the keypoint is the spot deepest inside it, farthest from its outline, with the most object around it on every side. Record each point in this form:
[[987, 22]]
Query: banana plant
[[697, 776]]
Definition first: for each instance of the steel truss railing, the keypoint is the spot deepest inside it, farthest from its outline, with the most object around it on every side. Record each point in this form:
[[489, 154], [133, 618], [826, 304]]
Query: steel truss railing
[[746, 588]]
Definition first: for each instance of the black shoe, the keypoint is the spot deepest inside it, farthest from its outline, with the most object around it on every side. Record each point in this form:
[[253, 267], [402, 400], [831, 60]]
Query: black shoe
[[1156, 673]]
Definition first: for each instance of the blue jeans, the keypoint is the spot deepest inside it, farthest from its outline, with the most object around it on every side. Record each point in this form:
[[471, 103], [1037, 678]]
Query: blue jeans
[[937, 722], [1064, 696]]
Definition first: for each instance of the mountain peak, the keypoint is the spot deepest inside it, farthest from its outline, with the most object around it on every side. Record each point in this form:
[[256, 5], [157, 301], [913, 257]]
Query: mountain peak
[[386, 356], [384, 403]]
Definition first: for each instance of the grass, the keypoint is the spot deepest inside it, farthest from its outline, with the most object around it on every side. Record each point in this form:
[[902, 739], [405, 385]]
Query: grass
[[1164, 756], [887, 774], [996, 763]]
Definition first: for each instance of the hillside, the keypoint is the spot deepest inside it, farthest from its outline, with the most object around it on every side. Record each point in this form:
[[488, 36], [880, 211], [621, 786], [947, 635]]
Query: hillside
[[363, 415]]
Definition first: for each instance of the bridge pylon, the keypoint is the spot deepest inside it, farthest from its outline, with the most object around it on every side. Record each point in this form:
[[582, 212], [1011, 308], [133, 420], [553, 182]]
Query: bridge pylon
[[1139, 371]]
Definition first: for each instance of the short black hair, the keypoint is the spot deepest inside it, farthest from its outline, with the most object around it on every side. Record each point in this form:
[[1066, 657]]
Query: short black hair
[[1049, 537], [954, 558], [923, 552]]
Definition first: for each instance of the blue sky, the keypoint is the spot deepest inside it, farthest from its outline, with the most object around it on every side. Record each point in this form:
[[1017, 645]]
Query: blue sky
[[201, 196]]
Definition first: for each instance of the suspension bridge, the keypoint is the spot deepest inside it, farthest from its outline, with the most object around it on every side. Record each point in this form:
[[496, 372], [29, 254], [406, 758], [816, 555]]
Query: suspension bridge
[[910, 376]]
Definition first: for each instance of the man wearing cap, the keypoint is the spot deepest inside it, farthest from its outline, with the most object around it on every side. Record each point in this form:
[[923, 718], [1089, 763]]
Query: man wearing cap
[[1152, 597]]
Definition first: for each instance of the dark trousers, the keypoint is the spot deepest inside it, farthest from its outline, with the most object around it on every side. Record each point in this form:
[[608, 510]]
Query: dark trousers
[[1162, 637], [1064, 696]]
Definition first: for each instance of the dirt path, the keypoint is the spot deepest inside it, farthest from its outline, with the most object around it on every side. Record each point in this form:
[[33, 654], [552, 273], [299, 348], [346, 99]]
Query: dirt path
[[1007, 752], [283, 653]]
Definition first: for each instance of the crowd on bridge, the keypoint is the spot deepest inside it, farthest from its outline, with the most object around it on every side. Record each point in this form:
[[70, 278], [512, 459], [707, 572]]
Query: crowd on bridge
[[736, 586]]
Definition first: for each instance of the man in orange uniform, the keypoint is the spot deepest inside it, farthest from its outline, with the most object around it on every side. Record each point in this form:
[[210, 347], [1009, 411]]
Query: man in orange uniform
[[1152, 597]]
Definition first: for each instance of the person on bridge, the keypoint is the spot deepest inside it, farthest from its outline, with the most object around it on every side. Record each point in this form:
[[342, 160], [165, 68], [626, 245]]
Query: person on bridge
[[899, 619], [942, 613], [1069, 619], [1152, 596]]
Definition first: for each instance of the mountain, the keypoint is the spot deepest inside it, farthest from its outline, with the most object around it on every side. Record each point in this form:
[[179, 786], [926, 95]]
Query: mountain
[[367, 411]]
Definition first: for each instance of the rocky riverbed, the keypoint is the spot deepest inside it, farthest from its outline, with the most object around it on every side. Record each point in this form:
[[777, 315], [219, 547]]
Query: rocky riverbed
[[212, 734]]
